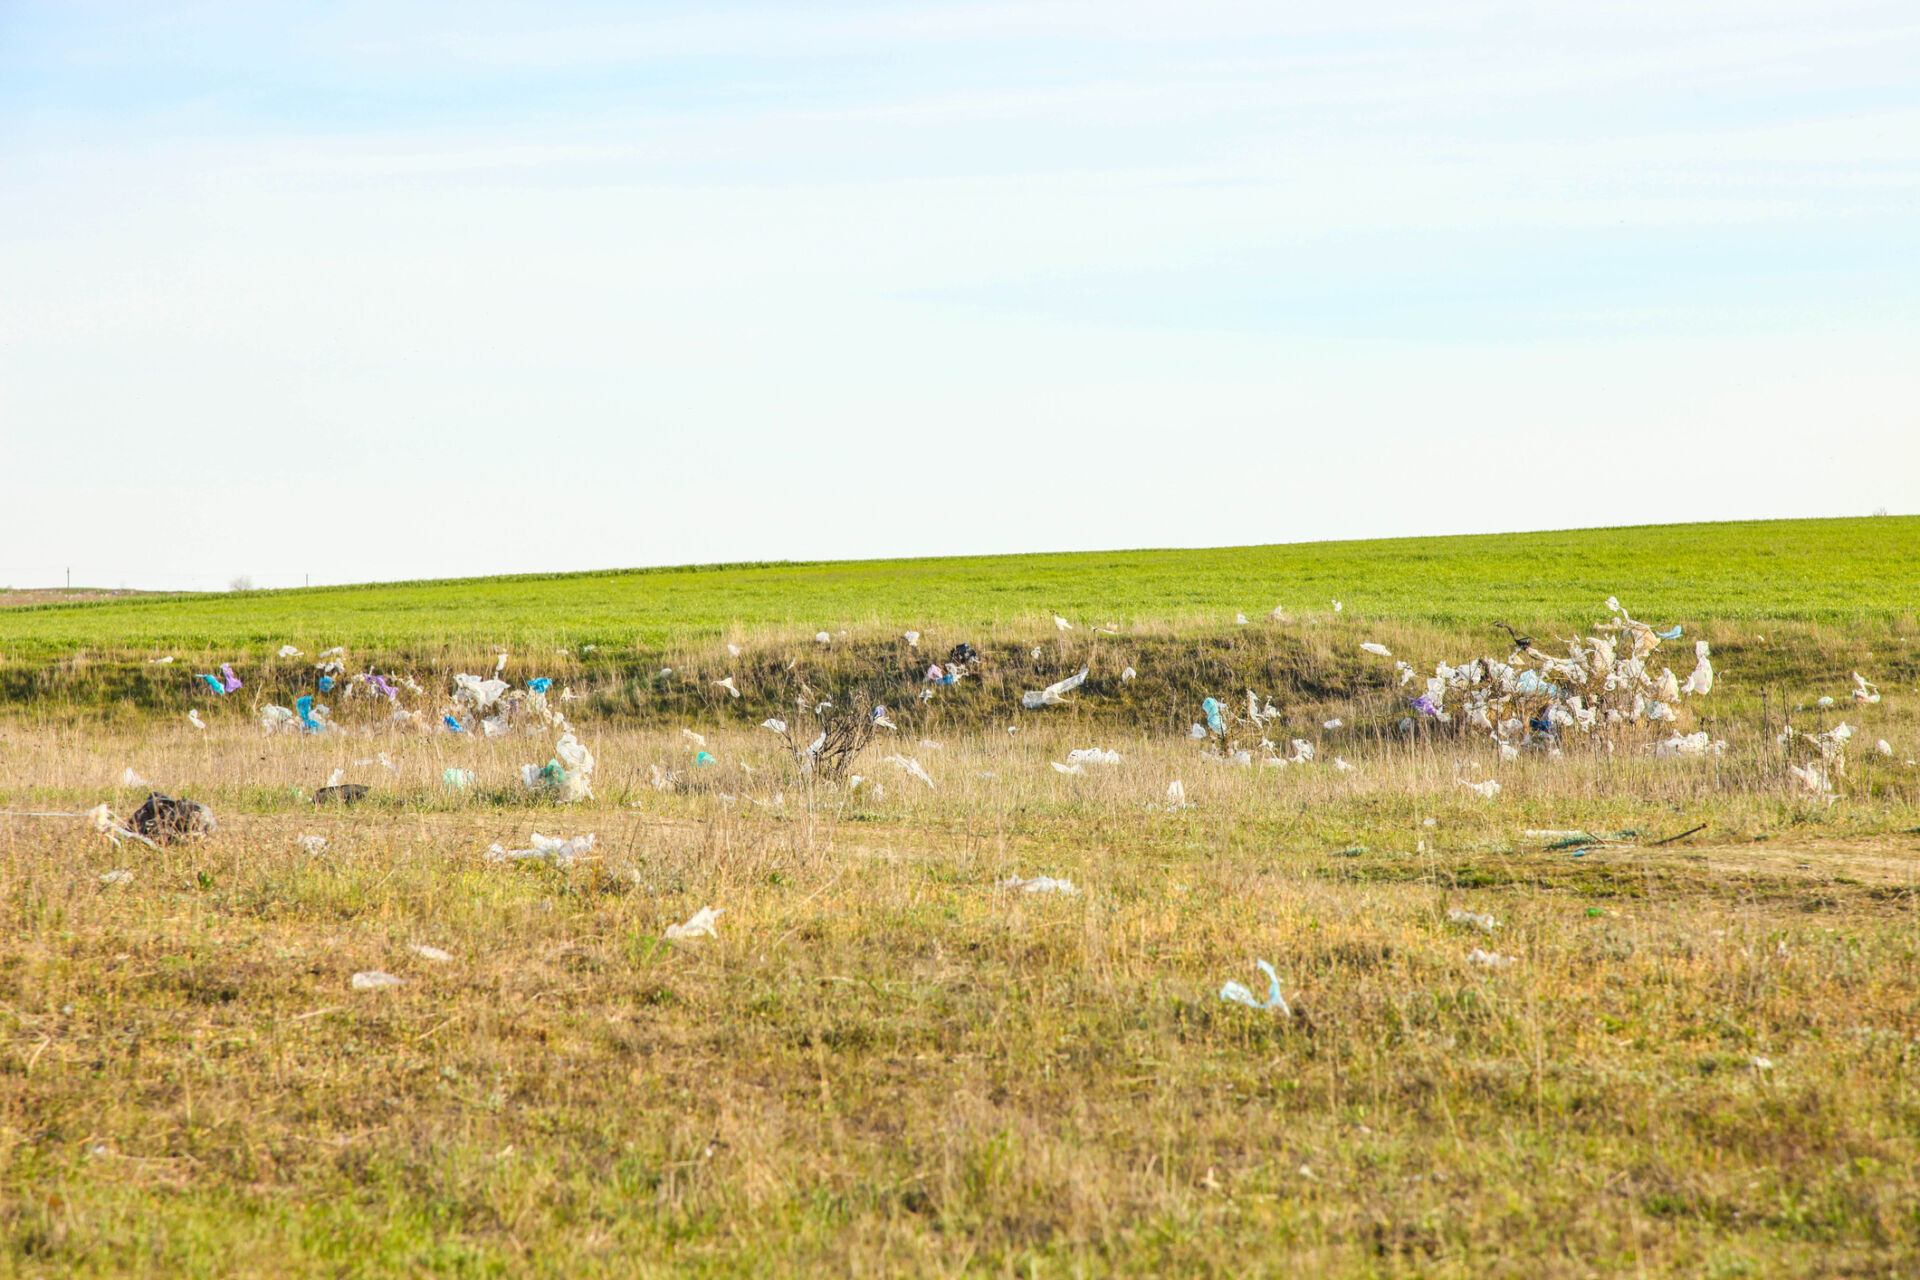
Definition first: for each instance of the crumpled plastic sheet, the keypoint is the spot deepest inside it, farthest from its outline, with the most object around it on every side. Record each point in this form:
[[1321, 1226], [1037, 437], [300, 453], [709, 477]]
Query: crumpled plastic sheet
[[1053, 694], [478, 693], [547, 849], [1274, 1003], [1688, 744], [374, 980], [1485, 923], [1215, 723], [1039, 884], [911, 767], [1092, 755], [699, 925], [1377, 650]]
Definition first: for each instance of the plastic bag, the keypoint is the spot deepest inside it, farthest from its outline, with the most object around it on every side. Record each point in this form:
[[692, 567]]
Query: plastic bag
[[1274, 1003]]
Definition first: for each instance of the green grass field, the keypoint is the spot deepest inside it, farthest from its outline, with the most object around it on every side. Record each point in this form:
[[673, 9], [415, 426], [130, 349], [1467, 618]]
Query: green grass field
[[1809, 570]]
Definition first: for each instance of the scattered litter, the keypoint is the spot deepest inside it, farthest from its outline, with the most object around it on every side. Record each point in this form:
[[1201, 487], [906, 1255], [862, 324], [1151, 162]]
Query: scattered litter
[[1061, 624], [1197, 731], [1240, 620], [1334, 723], [733, 651], [1274, 1003], [821, 637], [913, 639], [1485, 790], [457, 779], [697, 741], [159, 662], [1051, 696], [374, 980], [1337, 606], [1176, 792], [426, 952], [1761, 1063], [727, 684], [1864, 690], [1341, 766], [1824, 702], [287, 651], [193, 718], [699, 925], [122, 876], [128, 778], [1128, 674], [778, 726], [1884, 747], [166, 820], [1377, 650], [1484, 923], [1488, 959], [312, 844], [540, 684], [1038, 884]]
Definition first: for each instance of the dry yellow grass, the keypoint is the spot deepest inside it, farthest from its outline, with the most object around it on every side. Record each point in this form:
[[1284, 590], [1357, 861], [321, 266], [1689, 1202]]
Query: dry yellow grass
[[1703, 1060]]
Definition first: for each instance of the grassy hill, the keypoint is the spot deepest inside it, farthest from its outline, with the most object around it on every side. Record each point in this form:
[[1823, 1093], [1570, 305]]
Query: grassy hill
[[1807, 570]]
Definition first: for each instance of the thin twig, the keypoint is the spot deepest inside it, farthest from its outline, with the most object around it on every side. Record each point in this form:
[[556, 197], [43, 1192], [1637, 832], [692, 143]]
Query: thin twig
[[1682, 836]]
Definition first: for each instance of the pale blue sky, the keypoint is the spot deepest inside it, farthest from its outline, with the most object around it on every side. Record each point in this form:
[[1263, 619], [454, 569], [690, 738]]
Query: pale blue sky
[[373, 291]]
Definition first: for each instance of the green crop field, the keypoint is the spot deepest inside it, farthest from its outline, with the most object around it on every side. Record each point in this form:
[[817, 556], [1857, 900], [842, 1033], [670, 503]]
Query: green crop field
[[1808, 570]]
